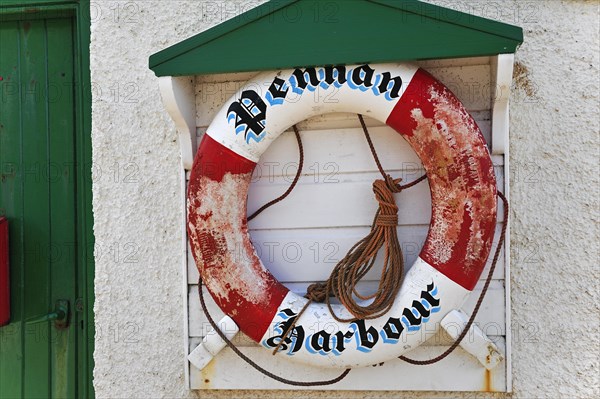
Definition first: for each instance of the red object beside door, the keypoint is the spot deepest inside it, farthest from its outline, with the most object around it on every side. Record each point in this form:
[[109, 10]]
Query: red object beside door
[[4, 276]]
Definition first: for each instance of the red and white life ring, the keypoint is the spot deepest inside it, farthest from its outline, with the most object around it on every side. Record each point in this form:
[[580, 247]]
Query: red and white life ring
[[463, 194]]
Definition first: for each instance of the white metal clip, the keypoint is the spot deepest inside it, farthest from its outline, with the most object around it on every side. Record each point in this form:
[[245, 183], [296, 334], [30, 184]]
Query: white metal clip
[[212, 343], [475, 342]]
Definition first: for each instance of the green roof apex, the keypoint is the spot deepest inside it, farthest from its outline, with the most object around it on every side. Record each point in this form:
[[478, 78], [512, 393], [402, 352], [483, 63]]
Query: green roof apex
[[292, 33]]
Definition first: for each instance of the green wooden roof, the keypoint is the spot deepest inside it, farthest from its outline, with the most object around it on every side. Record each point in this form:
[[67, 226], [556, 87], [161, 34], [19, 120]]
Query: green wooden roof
[[292, 33]]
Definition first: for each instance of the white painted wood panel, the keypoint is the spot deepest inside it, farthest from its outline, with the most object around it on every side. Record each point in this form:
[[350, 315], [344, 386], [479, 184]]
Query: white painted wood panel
[[346, 201], [309, 255], [460, 371], [332, 207], [344, 150]]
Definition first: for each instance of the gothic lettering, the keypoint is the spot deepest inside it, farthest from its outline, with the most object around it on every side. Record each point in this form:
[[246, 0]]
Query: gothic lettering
[[321, 342], [333, 75], [249, 114], [428, 295], [392, 330], [385, 81], [366, 337], [293, 342], [340, 341], [361, 77], [300, 80], [276, 94]]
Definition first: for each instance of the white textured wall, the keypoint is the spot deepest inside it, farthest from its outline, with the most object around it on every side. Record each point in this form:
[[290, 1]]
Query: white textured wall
[[554, 157]]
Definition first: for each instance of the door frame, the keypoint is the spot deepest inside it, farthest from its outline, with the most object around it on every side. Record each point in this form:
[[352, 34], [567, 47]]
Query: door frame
[[79, 10]]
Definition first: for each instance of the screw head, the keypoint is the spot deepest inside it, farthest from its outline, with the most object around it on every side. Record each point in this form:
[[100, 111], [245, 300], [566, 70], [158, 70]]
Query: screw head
[[79, 305]]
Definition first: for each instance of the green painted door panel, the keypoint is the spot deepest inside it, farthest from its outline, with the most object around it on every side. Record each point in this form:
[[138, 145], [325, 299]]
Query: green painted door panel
[[38, 196]]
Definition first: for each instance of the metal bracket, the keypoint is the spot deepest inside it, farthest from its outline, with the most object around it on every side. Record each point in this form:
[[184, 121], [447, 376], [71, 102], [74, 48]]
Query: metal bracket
[[212, 343], [476, 342], [61, 315]]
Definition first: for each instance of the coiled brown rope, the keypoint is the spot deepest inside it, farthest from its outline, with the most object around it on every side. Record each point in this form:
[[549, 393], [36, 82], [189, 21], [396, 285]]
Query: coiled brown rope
[[359, 260]]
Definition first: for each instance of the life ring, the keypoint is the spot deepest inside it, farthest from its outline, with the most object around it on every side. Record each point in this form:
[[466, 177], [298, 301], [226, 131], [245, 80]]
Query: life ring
[[463, 194]]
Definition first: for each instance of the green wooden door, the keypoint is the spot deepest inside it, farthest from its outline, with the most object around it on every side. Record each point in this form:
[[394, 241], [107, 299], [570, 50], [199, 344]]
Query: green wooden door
[[38, 195]]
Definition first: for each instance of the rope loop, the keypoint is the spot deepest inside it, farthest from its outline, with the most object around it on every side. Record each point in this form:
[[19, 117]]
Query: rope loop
[[387, 214], [393, 185]]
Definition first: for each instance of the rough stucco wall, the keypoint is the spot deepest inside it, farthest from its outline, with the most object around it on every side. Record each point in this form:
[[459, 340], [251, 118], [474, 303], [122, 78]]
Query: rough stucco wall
[[555, 236], [554, 158], [138, 349]]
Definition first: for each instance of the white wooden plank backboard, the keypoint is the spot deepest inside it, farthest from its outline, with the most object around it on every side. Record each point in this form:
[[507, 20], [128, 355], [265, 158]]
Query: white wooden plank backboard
[[460, 371], [300, 239]]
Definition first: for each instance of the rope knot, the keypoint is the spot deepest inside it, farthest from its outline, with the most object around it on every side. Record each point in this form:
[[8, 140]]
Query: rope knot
[[387, 215], [382, 220], [317, 292], [393, 184]]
